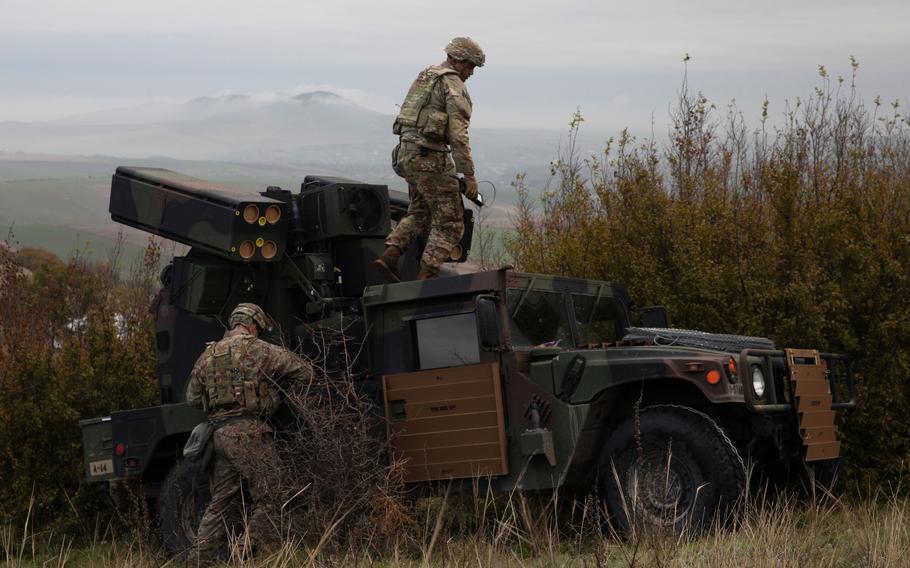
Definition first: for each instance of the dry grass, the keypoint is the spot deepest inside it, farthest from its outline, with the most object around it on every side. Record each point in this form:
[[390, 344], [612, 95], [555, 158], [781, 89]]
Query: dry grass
[[514, 531]]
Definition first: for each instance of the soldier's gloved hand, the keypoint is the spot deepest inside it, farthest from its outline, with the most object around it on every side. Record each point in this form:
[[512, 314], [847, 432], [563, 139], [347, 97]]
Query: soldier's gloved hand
[[470, 187]]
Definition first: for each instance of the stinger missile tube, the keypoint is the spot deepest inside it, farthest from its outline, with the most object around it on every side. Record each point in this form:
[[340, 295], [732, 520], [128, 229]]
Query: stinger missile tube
[[201, 214]]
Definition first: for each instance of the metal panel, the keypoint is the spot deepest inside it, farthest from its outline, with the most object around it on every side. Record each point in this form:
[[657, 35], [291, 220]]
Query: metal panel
[[809, 379], [198, 213], [810, 387], [477, 468], [98, 445], [813, 402], [419, 410], [823, 451], [817, 419], [447, 423], [818, 435], [443, 391], [444, 439], [807, 372], [431, 456]]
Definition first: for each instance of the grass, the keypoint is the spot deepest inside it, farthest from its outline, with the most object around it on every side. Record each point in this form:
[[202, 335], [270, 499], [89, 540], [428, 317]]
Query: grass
[[778, 531]]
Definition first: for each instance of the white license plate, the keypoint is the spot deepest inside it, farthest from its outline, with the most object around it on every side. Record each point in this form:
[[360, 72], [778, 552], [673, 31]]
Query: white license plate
[[103, 467]]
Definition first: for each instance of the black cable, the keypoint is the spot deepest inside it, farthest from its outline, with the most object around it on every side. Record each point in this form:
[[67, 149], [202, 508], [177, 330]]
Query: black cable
[[492, 201]]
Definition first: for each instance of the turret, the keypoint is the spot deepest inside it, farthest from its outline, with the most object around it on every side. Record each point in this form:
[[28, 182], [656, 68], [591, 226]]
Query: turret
[[304, 257], [333, 228]]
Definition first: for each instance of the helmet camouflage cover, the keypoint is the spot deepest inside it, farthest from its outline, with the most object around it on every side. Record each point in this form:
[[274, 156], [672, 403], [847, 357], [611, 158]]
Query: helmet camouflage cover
[[247, 313], [466, 49]]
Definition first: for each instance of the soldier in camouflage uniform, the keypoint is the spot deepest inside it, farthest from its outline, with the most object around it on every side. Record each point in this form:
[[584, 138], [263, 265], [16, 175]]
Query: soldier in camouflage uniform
[[234, 381], [432, 124]]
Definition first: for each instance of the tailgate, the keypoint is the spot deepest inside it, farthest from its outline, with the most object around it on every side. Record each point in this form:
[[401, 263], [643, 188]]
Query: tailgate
[[97, 448]]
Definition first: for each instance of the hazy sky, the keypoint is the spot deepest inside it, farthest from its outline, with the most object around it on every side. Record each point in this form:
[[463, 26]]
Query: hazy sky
[[619, 61]]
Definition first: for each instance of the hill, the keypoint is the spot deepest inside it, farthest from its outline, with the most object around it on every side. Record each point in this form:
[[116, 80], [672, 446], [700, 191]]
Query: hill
[[61, 202], [315, 128], [55, 175]]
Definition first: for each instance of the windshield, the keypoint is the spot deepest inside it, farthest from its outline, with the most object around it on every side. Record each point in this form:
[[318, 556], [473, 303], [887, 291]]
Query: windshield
[[538, 318], [599, 320], [546, 317]]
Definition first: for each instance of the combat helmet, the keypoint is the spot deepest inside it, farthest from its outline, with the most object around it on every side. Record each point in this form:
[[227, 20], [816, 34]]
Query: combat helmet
[[466, 49], [247, 313]]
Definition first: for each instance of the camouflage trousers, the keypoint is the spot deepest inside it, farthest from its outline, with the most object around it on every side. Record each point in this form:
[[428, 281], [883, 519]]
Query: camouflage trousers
[[435, 204], [244, 456]]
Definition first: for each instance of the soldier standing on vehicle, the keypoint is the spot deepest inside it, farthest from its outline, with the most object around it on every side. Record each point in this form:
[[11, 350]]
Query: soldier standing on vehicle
[[433, 122], [234, 382]]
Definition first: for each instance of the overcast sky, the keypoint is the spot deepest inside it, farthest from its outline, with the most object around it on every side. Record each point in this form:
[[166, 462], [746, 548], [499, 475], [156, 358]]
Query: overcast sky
[[619, 61]]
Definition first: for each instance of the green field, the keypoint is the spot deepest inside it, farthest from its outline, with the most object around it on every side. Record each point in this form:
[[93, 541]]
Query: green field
[[60, 203], [66, 242]]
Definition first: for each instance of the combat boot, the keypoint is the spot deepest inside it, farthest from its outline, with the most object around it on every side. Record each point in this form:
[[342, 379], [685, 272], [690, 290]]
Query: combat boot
[[387, 263], [426, 274]]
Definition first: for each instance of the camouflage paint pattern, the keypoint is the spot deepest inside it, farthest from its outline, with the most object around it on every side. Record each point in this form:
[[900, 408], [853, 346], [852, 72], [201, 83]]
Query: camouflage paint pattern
[[542, 409], [442, 117], [235, 379], [433, 121], [244, 456], [466, 49], [435, 205], [142, 432], [237, 376], [420, 121], [198, 213]]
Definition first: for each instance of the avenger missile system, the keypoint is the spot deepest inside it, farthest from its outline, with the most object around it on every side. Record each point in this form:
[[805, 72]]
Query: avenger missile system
[[200, 214], [507, 380]]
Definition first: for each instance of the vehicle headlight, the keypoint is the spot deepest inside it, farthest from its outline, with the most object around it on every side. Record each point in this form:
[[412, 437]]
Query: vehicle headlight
[[758, 381]]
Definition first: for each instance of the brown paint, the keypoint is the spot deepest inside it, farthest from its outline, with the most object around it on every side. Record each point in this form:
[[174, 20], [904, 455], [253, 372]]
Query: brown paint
[[247, 250], [813, 404], [818, 435], [810, 388], [250, 213], [269, 250], [272, 214], [825, 451], [453, 425]]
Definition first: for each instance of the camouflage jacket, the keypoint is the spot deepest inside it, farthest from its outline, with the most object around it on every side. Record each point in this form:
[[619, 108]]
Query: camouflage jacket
[[238, 376], [438, 121]]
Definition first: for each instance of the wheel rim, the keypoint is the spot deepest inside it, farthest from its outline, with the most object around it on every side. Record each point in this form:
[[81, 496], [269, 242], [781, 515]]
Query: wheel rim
[[660, 487]]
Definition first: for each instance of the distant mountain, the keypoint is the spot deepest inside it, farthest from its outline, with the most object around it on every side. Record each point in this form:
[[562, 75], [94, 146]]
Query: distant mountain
[[55, 175], [233, 127], [313, 131], [208, 109]]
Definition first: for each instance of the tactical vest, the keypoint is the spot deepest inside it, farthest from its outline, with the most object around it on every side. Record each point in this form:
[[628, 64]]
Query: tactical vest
[[227, 385], [416, 114]]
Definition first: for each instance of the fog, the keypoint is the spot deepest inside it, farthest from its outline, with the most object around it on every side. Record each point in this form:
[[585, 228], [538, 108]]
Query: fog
[[619, 62]]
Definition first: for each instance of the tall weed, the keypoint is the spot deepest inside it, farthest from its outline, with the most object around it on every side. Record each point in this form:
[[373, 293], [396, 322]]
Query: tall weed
[[75, 342], [799, 232]]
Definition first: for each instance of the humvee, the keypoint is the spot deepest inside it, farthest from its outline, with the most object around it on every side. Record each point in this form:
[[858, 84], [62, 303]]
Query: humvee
[[517, 381]]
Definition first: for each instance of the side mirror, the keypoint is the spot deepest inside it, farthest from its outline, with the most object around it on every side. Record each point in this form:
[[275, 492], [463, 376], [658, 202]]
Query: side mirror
[[488, 323], [654, 316]]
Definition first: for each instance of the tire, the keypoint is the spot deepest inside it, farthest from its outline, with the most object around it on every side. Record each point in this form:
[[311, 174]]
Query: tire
[[698, 480], [183, 499]]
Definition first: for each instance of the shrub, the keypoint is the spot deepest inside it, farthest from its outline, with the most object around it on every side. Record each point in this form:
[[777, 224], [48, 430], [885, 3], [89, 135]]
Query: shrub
[[75, 342], [798, 232]]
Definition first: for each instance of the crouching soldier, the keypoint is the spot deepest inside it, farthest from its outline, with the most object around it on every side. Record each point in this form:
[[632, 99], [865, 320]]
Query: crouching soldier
[[234, 381]]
